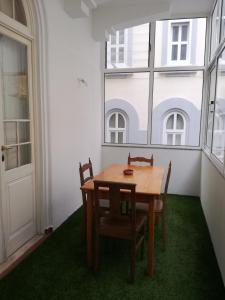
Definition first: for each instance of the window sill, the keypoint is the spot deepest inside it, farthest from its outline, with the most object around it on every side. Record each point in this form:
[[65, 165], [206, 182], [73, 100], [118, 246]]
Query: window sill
[[187, 148], [215, 162]]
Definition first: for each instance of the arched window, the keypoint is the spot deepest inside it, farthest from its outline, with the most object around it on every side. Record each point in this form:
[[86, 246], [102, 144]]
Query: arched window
[[14, 9], [174, 130], [116, 128]]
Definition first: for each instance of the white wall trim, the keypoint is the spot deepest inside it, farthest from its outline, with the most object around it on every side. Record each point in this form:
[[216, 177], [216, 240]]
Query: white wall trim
[[41, 58]]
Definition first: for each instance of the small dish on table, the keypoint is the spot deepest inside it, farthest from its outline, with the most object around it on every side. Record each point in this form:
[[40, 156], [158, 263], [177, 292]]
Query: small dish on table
[[128, 172]]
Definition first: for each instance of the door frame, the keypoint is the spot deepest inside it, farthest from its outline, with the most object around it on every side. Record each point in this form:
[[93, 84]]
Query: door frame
[[36, 27]]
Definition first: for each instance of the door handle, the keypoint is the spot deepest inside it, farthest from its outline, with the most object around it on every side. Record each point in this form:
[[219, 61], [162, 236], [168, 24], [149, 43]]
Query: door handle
[[5, 147]]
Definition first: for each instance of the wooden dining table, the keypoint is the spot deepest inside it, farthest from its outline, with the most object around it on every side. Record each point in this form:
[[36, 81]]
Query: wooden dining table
[[148, 180]]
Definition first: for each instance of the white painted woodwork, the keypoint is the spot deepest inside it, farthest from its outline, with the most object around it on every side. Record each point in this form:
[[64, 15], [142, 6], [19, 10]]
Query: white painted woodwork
[[17, 183], [213, 203], [77, 9]]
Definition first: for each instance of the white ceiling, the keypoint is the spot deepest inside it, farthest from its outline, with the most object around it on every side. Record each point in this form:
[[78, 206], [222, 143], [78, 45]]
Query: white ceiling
[[110, 15], [180, 6]]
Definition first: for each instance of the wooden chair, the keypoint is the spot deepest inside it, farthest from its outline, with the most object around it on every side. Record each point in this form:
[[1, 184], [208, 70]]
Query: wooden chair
[[114, 224], [86, 174], [140, 159], [159, 206]]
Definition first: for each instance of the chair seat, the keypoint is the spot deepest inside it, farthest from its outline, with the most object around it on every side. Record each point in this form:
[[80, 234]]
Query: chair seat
[[120, 227], [143, 207]]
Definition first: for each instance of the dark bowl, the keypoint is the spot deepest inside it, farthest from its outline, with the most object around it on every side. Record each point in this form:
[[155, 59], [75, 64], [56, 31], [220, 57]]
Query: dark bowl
[[128, 172]]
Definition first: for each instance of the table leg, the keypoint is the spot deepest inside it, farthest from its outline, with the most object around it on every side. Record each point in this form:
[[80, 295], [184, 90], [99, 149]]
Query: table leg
[[151, 224], [89, 229]]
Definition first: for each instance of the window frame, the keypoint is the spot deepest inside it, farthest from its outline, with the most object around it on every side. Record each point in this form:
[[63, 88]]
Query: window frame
[[151, 69], [116, 129], [117, 47], [174, 131], [211, 62], [179, 43]]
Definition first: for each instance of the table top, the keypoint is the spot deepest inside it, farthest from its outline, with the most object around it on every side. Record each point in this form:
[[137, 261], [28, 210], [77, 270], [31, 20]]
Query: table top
[[148, 179]]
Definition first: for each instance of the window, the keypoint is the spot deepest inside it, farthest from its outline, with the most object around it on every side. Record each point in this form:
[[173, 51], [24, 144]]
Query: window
[[117, 48], [174, 129], [215, 28], [211, 107], [128, 93], [219, 117], [116, 133], [177, 91], [161, 94], [180, 42], [14, 9], [128, 48], [179, 49], [223, 21]]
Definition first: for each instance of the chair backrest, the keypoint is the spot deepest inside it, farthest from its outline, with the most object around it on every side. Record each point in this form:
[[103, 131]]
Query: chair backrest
[[85, 169], [116, 197], [140, 159], [167, 179]]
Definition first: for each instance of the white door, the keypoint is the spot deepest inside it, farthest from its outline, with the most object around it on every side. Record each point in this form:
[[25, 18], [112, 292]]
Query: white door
[[16, 137]]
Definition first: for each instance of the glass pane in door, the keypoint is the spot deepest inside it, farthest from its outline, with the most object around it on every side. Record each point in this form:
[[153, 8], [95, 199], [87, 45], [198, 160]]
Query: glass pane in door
[[19, 12], [25, 154], [6, 6], [15, 100], [11, 158]]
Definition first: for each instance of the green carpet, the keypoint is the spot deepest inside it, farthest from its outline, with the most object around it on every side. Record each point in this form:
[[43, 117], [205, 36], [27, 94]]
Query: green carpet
[[186, 270]]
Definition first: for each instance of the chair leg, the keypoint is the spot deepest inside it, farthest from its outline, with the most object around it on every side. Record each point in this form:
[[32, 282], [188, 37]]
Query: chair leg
[[133, 256], [164, 229], [84, 219], [96, 265], [143, 244]]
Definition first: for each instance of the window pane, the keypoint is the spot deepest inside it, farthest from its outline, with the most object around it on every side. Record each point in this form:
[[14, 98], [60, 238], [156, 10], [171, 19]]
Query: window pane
[[113, 137], [19, 12], [209, 129], [219, 118], [24, 132], [113, 55], [120, 137], [121, 121], [11, 158], [183, 52], [170, 122], [184, 33], [10, 133], [135, 50], [14, 77], [113, 39], [174, 52], [215, 28], [129, 93], [25, 154], [175, 33], [178, 139], [121, 37], [112, 121], [121, 55], [177, 92], [195, 38], [6, 6], [223, 22], [211, 107], [180, 122], [169, 139]]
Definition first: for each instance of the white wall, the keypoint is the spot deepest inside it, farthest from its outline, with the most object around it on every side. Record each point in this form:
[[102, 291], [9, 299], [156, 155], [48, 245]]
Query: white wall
[[186, 165], [75, 109], [213, 203]]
